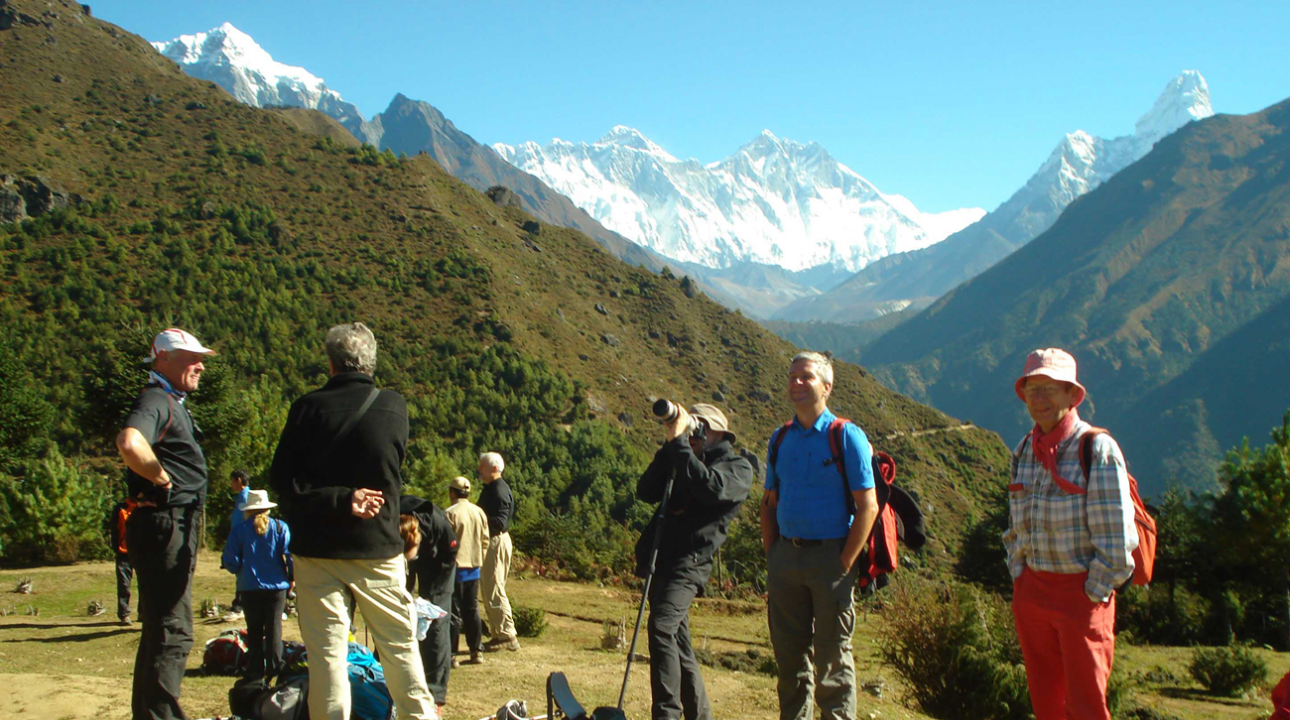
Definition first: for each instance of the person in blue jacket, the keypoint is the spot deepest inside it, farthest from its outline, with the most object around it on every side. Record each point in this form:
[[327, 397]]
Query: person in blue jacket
[[258, 552]]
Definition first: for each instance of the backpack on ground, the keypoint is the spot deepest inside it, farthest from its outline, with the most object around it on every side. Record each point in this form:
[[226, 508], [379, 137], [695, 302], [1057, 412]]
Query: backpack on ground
[[294, 658], [254, 700], [288, 700], [899, 517], [369, 697], [226, 654], [1144, 557]]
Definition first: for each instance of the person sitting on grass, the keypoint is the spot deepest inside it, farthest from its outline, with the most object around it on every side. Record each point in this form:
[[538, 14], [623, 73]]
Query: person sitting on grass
[[258, 552]]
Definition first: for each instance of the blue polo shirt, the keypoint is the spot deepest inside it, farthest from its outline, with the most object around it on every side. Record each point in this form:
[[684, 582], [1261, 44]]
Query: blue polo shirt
[[812, 496]]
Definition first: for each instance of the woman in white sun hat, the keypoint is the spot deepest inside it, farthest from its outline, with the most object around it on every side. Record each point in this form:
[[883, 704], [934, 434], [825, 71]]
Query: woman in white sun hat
[[258, 552]]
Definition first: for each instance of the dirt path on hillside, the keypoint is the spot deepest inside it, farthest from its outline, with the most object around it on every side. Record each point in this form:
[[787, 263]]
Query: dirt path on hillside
[[931, 431]]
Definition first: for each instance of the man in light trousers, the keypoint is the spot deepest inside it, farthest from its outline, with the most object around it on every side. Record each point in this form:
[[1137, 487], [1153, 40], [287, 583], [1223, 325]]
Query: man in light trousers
[[337, 475]]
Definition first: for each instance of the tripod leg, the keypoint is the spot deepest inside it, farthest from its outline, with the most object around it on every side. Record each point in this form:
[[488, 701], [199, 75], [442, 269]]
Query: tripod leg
[[660, 515]]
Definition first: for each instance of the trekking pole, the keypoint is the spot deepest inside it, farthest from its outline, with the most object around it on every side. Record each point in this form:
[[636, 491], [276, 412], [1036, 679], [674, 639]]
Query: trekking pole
[[659, 515]]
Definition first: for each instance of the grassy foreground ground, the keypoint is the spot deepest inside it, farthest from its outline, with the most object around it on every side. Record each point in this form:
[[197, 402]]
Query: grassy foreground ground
[[61, 664]]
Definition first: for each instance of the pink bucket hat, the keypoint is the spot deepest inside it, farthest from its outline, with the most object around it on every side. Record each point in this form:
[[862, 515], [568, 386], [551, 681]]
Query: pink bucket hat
[[1050, 362]]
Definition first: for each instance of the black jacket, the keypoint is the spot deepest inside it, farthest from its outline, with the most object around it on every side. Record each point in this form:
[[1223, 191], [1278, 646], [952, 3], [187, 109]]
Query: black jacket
[[435, 566], [315, 477], [498, 505], [706, 496]]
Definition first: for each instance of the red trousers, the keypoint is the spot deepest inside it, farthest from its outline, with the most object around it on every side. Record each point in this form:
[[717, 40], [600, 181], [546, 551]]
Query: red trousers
[[1281, 699], [1068, 643]]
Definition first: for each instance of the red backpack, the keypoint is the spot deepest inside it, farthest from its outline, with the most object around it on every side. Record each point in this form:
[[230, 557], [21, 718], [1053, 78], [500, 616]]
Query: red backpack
[[1144, 558], [899, 517]]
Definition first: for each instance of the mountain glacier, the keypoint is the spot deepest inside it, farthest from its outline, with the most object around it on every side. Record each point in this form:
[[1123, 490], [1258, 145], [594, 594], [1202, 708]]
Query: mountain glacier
[[775, 202]]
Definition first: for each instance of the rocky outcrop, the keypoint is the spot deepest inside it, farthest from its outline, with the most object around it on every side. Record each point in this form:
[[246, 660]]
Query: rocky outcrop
[[32, 195], [502, 196]]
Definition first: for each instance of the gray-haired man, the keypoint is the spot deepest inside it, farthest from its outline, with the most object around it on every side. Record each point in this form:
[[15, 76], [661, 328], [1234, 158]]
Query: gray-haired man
[[345, 536]]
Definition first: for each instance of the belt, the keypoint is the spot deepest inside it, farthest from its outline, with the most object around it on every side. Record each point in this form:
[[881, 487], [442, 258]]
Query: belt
[[802, 542]]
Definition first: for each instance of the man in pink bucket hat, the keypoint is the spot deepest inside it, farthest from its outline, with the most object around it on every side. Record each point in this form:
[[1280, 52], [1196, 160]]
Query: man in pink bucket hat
[[1070, 543]]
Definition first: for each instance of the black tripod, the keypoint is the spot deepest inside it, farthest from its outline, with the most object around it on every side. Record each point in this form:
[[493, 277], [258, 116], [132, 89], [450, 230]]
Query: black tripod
[[660, 516]]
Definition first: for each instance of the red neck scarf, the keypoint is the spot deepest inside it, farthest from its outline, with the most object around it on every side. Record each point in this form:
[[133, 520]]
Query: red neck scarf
[[1045, 443]]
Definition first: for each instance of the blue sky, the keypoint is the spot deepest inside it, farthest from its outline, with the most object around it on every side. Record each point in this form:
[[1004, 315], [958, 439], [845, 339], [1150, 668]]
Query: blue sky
[[950, 104]]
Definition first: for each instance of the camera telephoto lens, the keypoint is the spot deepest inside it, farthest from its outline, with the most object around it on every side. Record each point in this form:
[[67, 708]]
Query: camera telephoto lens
[[666, 410]]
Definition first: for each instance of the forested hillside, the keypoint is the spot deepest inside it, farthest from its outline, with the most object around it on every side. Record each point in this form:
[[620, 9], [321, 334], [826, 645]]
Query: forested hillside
[[153, 199]]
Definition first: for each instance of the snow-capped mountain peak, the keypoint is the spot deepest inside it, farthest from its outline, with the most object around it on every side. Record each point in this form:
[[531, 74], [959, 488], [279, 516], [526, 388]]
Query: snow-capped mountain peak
[[621, 136], [1185, 98], [773, 201], [235, 61]]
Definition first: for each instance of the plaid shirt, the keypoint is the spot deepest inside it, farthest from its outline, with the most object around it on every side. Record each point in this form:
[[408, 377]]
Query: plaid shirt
[[1051, 530]]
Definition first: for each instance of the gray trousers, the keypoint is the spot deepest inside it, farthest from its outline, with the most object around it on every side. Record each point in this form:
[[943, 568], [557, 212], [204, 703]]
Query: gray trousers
[[811, 615], [124, 574], [675, 682]]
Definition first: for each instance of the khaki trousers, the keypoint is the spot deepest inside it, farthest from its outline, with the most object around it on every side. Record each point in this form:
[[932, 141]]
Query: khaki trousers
[[327, 592], [497, 564]]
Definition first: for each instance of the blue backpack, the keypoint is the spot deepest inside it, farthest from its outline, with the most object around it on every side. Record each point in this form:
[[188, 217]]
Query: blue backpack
[[369, 697]]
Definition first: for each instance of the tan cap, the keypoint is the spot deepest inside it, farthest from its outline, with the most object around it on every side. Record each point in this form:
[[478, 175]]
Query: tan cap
[[713, 417], [459, 484]]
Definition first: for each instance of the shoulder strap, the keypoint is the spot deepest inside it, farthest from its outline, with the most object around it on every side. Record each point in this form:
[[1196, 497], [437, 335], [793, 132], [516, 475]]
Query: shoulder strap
[[353, 419], [1086, 448], [835, 447], [776, 439], [170, 414]]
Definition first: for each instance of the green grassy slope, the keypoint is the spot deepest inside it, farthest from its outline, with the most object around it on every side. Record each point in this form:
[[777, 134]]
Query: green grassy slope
[[232, 222]]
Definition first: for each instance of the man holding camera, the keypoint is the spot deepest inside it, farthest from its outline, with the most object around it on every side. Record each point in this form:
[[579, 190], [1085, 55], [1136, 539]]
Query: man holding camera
[[709, 483], [813, 538]]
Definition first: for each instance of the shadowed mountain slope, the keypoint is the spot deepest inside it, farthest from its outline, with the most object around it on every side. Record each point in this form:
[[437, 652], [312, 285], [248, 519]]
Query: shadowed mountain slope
[[1140, 278]]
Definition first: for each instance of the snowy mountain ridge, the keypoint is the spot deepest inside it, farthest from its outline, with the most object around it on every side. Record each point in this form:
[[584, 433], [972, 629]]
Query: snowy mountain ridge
[[774, 201], [232, 59]]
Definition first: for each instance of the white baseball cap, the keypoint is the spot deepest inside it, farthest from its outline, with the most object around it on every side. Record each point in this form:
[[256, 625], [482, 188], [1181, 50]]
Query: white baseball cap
[[176, 339]]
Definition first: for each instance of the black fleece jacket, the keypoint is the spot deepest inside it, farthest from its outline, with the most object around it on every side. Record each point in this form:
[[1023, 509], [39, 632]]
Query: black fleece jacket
[[706, 496], [435, 566], [315, 477]]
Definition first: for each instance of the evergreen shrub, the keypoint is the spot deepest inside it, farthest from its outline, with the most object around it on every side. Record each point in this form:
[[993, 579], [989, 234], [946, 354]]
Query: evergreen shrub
[[530, 622], [1227, 671], [955, 647]]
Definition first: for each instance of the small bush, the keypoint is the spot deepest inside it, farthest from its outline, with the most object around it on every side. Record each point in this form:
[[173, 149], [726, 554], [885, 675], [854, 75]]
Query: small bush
[[956, 649], [1227, 671], [530, 622]]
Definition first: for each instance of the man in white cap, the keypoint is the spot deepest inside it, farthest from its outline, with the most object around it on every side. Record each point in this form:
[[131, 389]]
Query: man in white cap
[[1070, 544], [709, 483], [166, 474]]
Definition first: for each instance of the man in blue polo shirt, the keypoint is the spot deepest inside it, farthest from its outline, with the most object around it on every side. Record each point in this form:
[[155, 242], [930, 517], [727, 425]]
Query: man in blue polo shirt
[[812, 542]]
